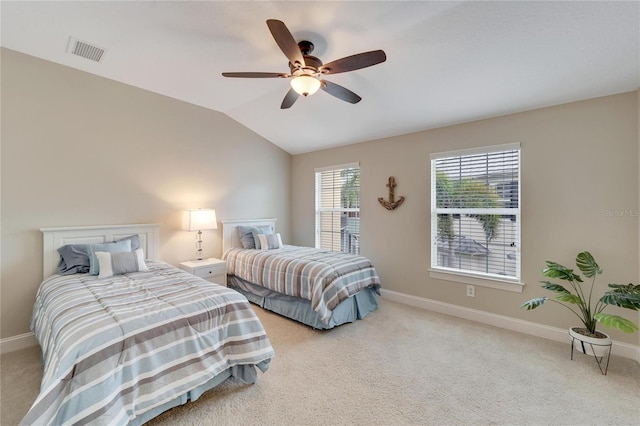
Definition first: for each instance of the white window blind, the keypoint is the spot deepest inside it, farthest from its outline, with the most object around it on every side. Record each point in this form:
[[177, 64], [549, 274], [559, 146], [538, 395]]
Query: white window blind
[[475, 212], [338, 208]]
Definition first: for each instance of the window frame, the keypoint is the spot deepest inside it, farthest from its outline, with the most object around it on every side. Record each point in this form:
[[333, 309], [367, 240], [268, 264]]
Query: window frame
[[466, 276], [319, 209]]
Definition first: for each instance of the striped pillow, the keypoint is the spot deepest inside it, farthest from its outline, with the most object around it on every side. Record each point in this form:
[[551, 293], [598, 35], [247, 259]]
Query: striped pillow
[[119, 263], [270, 241]]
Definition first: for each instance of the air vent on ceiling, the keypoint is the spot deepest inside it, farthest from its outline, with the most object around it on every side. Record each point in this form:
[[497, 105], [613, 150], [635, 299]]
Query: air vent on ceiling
[[85, 50]]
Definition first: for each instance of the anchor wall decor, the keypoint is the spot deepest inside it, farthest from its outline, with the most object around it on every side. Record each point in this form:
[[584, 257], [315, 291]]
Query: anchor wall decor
[[391, 204]]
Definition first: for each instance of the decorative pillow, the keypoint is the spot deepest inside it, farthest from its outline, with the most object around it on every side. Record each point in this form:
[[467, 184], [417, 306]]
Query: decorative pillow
[[74, 259], [270, 241], [94, 266], [247, 237], [118, 263]]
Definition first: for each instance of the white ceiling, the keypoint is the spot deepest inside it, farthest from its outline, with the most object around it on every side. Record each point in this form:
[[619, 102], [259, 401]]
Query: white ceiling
[[447, 62]]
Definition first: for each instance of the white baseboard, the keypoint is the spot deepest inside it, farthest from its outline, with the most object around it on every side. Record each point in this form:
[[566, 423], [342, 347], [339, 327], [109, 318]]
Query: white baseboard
[[625, 350], [15, 343]]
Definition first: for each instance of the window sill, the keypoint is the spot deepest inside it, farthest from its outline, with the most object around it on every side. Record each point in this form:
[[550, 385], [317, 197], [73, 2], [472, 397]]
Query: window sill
[[508, 285]]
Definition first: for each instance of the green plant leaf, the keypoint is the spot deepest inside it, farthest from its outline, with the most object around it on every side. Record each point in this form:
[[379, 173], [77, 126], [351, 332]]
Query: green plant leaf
[[570, 298], [554, 287], [556, 270], [587, 264], [533, 303], [623, 300], [626, 288], [617, 322]]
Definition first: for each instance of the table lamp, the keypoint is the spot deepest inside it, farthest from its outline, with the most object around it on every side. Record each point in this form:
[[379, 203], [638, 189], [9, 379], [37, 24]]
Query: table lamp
[[199, 220]]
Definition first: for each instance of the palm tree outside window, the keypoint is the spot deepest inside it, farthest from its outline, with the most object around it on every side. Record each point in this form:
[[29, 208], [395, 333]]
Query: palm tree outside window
[[338, 208], [475, 212]]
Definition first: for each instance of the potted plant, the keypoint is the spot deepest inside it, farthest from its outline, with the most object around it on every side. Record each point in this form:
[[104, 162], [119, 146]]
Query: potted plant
[[586, 338]]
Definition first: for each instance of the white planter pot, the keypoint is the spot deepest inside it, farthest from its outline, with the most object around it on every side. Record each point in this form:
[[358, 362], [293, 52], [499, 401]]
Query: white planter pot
[[590, 345]]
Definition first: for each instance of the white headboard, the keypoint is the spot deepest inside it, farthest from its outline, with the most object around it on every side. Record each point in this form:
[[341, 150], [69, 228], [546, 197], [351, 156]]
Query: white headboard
[[54, 238], [230, 235]]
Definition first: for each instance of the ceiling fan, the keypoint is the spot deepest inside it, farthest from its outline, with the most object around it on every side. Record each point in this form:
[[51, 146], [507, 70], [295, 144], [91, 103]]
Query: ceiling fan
[[306, 70]]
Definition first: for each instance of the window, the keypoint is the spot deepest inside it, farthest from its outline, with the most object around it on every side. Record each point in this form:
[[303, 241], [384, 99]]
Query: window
[[338, 208], [475, 213]]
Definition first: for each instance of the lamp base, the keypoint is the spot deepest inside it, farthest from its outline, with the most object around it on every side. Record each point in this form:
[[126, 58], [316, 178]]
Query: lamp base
[[198, 247]]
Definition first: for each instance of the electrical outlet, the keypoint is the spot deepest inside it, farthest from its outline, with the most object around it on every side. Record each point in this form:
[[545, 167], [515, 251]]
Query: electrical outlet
[[471, 291]]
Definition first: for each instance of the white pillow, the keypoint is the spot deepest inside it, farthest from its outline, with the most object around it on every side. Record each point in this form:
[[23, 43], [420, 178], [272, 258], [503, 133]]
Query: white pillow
[[270, 241], [119, 263]]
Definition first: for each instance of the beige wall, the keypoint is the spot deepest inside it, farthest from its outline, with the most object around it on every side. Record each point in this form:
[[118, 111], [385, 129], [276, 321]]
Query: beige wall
[[579, 166], [82, 150], [78, 149]]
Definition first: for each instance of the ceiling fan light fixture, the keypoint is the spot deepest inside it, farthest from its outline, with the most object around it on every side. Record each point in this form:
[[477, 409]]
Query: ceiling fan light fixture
[[305, 84]]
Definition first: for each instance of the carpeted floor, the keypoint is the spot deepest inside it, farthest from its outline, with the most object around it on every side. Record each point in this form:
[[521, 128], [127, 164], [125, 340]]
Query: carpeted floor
[[401, 365]]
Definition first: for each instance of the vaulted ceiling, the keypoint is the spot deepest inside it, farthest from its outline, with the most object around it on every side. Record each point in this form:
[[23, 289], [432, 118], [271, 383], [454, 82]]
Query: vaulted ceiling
[[447, 62]]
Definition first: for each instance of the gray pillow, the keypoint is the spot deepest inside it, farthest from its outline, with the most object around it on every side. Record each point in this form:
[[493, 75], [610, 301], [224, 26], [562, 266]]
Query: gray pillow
[[74, 259], [248, 235], [94, 265]]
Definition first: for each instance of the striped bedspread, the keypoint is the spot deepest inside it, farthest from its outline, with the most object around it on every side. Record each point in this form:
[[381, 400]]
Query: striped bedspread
[[119, 347], [326, 278]]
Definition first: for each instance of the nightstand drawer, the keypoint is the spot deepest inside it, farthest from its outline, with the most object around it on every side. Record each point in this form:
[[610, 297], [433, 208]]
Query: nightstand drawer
[[212, 269]]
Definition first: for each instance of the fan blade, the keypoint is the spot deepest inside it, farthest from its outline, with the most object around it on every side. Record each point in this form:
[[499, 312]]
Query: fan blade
[[285, 40], [289, 99], [254, 74], [354, 62], [340, 92]]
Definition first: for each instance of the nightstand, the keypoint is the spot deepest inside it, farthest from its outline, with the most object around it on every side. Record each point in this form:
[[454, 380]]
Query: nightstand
[[212, 269]]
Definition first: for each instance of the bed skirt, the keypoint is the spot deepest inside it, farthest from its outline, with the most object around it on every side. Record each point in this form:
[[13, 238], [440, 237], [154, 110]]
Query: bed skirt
[[354, 308], [243, 373]]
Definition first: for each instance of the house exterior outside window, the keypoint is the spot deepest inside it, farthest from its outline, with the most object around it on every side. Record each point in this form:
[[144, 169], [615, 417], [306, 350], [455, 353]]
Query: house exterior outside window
[[475, 215], [338, 208]]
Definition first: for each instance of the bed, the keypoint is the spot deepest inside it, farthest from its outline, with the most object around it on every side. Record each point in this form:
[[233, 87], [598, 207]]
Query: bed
[[121, 348], [319, 288]]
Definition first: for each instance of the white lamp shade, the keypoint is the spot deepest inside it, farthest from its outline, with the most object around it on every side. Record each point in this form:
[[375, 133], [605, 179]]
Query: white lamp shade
[[305, 85], [199, 220]]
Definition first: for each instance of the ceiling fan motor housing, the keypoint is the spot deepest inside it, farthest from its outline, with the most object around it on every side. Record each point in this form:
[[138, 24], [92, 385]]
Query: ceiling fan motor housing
[[312, 63]]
